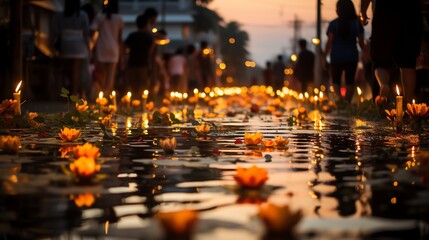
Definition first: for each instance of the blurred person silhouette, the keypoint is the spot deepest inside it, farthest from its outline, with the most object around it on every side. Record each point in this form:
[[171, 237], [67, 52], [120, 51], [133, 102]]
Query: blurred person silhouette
[[140, 46], [268, 74], [87, 77], [279, 73], [304, 67], [343, 32], [395, 41], [160, 79], [107, 52], [177, 69], [205, 57], [194, 71], [70, 38]]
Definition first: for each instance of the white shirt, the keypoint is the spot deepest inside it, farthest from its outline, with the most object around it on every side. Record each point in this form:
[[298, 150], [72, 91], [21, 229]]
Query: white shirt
[[107, 48]]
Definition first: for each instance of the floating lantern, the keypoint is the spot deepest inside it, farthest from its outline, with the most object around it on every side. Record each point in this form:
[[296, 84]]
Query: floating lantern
[[252, 138], [168, 144], [253, 177], [10, 144], [69, 134]]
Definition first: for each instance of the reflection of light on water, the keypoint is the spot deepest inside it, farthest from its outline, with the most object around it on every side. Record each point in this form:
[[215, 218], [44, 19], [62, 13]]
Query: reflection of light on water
[[145, 120], [106, 227], [128, 124]]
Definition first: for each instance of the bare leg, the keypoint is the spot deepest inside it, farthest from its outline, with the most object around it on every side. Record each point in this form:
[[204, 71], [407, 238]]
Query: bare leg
[[408, 77], [383, 76]]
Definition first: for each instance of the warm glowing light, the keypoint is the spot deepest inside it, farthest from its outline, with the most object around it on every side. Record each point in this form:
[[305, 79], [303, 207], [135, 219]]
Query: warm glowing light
[[301, 96], [195, 91], [114, 93], [129, 94], [293, 57], [222, 66], [250, 64], [145, 93], [320, 95], [206, 51], [306, 95], [414, 101], [316, 91], [154, 30], [106, 2], [397, 90], [253, 177], [106, 227], [359, 91], [100, 95], [231, 40], [315, 41], [206, 89], [17, 89]]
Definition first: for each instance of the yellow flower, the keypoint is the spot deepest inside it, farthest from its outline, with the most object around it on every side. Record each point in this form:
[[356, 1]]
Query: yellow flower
[[86, 150], [252, 138], [279, 220], [69, 134], [83, 107], [10, 144], [202, 129], [135, 103], [84, 167], [180, 223], [31, 121], [102, 101], [280, 141], [268, 143], [168, 144], [418, 110], [83, 199], [253, 177]]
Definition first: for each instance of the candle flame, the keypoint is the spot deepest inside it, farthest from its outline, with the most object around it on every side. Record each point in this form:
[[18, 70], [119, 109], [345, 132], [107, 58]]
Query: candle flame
[[414, 101], [100, 95], [114, 93], [146, 92], [106, 227], [185, 95], [359, 91], [195, 90], [129, 94], [301, 96], [320, 95], [397, 90], [172, 94], [18, 86]]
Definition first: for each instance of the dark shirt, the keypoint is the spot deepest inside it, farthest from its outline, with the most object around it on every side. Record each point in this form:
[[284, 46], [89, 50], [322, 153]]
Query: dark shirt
[[304, 68], [344, 49], [139, 43]]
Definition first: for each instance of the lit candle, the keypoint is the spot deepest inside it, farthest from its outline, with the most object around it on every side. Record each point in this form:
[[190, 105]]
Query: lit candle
[[129, 100], [144, 96], [399, 110], [113, 97], [17, 97], [100, 98], [359, 92]]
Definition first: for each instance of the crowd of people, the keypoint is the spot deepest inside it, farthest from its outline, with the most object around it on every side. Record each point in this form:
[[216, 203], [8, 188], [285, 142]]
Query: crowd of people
[[94, 57]]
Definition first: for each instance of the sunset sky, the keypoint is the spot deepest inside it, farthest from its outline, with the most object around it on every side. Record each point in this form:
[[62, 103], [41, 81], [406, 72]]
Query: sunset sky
[[269, 23]]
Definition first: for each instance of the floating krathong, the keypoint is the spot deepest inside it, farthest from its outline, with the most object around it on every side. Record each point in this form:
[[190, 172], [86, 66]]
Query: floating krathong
[[10, 144], [253, 177], [279, 220], [168, 144], [69, 134], [179, 223], [252, 139]]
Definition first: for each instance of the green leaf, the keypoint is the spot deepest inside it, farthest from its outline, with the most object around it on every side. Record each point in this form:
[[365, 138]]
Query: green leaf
[[64, 91], [74, 98]]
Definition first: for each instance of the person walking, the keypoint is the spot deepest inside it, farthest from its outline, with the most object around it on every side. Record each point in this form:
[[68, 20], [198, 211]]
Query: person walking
[[304, 67], [140, 46], [343, 32], [109, 25], [396, 37], [70, 37]]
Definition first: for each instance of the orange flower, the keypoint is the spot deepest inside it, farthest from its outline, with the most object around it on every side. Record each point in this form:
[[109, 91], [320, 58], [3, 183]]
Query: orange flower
[[391, 115], [8, 106], [64, 150], [252, 138], [279, 219], [150, 105], [163, 110], [135, 103], [86, 150], [106, 120], [268, 143], [102, 101], [10, 144], [180, 223], [31, 121], [168, 144], [83, 107], [280, 141], [84, 167], [202, 129], [83, 199], [253, 177], [69, 134], [418, 110]]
